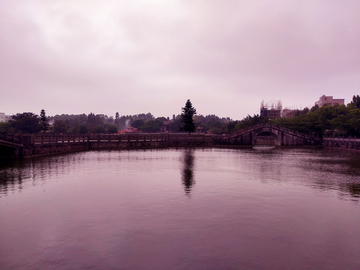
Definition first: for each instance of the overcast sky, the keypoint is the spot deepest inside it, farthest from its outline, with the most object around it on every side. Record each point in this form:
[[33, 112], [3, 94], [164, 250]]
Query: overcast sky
[[135, 57]]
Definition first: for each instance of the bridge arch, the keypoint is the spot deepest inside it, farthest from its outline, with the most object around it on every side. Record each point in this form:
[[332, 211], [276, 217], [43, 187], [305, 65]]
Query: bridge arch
[[265, 137], [268, 134]]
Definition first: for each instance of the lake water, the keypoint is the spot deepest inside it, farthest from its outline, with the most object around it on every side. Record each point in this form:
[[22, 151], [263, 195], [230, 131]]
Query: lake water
[[182, 209]]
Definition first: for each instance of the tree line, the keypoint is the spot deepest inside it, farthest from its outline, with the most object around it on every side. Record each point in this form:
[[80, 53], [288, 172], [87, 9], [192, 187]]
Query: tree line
[[317, 121], [337, 120], [32, 123], [187, 121], [327, 120]]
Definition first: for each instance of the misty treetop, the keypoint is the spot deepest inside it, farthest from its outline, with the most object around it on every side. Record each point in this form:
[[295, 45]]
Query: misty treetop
[[356, 101], [213, 124]]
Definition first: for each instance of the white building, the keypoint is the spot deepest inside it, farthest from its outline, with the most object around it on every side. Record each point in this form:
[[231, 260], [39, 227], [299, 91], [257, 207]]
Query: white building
[[4, 118], [329, 100]]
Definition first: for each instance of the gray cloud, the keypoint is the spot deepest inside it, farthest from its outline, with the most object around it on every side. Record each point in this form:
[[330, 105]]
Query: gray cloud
[[137, 56]]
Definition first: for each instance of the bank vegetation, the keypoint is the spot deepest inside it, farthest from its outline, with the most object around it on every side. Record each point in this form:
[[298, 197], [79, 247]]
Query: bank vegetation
[[338, 120]]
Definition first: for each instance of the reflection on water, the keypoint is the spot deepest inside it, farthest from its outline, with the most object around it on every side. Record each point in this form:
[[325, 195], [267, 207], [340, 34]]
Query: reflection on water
[[18, 174], [278, 209], [320, 169], [353, 189], [188, 171]]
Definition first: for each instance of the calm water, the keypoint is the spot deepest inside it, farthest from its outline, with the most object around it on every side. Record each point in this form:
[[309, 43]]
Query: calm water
[[182, 209]]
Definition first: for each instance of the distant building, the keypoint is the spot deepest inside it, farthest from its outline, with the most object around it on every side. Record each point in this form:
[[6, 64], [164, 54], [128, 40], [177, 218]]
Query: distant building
[[270, 113], [166, 126], [272, 110], [288, 113], [329, 100], [199, 130], [4, 117]]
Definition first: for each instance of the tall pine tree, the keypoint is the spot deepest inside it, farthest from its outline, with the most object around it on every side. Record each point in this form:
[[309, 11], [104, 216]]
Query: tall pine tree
[[187, 117], [44, 120]]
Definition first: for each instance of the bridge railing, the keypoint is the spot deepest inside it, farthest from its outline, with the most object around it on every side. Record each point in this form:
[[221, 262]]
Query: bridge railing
[[58, 139], [54, 139], [11, 137], [345, 142], [341, 139]]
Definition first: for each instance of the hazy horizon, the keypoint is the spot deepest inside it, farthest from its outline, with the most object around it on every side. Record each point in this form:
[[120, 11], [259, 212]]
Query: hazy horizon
[[137, 57]]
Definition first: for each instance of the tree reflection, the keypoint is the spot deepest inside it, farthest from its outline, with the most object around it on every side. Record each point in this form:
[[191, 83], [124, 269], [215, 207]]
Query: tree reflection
[[188, 171], [16, 175], [351, 188]]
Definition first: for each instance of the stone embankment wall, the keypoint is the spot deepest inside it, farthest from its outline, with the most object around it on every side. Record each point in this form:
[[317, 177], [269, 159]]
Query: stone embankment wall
[[346, 143], [39, 150]]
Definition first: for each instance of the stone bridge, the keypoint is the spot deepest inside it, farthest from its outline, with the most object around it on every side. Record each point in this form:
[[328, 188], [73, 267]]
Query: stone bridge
[[268, 134], [26, 145], [18, 146]]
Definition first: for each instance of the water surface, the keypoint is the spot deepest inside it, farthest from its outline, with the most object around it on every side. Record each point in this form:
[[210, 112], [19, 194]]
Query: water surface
[[182, 209]]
